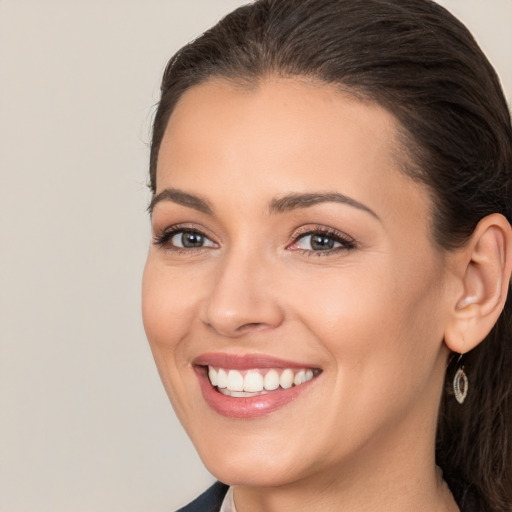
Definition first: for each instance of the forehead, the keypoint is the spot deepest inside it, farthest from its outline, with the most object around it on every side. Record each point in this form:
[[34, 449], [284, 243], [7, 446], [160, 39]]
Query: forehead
[[284, 135], [287, 110]]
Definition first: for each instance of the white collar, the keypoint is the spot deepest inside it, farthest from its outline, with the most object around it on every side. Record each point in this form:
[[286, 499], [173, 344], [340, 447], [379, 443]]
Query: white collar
[[228, 505]]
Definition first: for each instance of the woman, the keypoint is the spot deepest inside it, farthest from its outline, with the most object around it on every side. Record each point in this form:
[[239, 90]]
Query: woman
[[326, 292]]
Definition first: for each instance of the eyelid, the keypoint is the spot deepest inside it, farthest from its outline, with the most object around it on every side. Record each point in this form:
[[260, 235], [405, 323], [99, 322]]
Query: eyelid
[[347, 242], [163, 236]]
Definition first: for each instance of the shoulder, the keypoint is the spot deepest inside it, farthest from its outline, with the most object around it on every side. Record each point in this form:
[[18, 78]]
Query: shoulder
[[209, 501]]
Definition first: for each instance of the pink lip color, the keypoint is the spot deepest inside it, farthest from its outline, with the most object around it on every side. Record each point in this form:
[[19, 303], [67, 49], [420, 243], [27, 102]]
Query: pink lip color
[[245, 362], [246, 407]]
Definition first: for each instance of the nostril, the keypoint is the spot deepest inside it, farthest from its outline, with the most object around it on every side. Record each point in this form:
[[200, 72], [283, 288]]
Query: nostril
[[241, 329], [253, 326], [232, 315]]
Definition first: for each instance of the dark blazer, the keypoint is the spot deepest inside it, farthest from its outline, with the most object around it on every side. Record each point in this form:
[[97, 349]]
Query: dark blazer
[[211, 500]]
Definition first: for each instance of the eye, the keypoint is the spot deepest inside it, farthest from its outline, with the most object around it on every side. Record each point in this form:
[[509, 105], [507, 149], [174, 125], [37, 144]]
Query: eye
[[322, 241], [179, 238], [317, 242], [190, 240]]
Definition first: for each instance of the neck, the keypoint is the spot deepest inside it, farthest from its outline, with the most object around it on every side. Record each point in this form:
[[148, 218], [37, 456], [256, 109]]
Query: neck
[[393, 476]]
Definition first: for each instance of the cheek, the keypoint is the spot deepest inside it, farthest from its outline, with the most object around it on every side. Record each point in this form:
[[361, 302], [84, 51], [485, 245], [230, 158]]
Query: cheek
[[167, 312], [377, 322], [166, 305]]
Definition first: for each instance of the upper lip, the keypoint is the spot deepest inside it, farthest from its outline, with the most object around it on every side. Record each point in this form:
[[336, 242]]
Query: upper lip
[[245, 361]]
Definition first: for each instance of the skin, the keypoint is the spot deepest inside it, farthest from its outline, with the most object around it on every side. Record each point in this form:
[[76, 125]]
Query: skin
[[372, 316]]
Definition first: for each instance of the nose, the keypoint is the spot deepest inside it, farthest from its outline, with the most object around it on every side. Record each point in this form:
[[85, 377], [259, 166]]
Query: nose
[[243, 297]]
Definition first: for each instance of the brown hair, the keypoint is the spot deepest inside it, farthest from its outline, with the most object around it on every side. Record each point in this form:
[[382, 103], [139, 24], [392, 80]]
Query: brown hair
[[418, 61]]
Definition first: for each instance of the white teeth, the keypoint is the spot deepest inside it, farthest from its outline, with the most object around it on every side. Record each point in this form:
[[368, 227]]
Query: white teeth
[[253, 381], [240, 394], [299, 378], [271, 380], [222, 379], [235, 381], [212, 375], [286, 379]]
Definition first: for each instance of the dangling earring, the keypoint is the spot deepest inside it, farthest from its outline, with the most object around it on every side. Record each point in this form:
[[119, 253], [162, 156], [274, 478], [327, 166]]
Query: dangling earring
[[460, 383]]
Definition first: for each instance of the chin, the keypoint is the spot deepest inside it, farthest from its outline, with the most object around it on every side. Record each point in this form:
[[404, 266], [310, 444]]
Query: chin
[[255, 459], [252, 472]]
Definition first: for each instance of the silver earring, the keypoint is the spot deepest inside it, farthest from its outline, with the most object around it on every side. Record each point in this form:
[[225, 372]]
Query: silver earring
[[460, 384]]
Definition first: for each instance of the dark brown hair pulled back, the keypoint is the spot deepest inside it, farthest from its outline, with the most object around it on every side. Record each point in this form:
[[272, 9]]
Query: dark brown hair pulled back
[[418, 61]]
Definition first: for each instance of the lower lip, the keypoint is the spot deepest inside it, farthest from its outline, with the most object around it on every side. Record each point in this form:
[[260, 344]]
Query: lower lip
[[247, 407]]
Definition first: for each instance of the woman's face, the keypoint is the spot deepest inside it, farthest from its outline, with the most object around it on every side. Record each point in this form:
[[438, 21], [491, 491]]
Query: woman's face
[[286, 238]]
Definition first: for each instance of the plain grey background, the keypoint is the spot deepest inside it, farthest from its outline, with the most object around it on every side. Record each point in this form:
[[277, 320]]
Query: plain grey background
[[85, 424]]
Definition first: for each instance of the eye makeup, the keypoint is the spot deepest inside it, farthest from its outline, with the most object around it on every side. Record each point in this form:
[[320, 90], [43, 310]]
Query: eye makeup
[[322, 240]]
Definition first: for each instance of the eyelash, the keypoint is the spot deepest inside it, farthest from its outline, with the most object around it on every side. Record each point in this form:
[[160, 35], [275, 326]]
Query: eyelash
[[164, 238], [346, 242]]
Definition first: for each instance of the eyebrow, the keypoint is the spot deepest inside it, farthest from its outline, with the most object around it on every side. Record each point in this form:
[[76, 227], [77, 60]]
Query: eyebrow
[[289, 202], [297, 201], [183, 198]]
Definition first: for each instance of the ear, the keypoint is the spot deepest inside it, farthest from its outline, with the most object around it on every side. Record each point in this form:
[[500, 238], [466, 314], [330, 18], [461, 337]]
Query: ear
[[484, 266]]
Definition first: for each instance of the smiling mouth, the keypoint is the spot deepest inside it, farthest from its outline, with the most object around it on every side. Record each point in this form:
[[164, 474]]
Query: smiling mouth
[[256, 382], [251, 386]]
